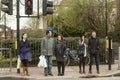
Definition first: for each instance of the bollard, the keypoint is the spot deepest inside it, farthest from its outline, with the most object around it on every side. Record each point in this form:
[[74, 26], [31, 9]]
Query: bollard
[[110, 54], [119, 59]]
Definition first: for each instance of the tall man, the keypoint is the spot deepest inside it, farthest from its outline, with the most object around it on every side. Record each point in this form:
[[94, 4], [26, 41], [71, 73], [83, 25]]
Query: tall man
[[93, 45], [47, 48]]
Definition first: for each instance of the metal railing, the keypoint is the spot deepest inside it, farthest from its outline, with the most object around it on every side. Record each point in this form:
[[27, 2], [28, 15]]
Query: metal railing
[[36, 50]]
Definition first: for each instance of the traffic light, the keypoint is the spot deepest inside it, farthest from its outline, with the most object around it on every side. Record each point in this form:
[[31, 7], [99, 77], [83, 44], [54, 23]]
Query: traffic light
[[47, 7], [9, 8], [28, 7]]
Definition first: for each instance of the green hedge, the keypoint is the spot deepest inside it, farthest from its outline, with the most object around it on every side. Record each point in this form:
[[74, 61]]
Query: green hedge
[[36, 44]]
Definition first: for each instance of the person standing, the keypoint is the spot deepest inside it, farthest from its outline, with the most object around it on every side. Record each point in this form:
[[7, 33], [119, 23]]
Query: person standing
[[47, 48], [60, 47], [93, 46], [81, 49], [24, 53]]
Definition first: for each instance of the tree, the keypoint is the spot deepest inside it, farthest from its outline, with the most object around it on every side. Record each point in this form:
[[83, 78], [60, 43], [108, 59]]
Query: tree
[[78, 16]]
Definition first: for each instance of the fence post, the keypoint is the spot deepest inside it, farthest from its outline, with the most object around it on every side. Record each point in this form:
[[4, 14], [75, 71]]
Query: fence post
[[10, 60], [119, 59]]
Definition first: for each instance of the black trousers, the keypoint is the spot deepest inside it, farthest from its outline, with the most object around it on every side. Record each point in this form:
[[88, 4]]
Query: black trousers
[[61, 67], [81, 63], [25, 62], [92, 56]]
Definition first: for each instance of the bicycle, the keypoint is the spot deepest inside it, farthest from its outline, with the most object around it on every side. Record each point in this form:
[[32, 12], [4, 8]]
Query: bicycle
[[72, 55]]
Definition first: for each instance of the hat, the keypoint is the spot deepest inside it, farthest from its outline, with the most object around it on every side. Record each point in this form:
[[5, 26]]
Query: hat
[[51, 29]]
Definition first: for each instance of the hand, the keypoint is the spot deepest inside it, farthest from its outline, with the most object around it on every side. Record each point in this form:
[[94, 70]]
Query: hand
[[84, 55], [84, 44]]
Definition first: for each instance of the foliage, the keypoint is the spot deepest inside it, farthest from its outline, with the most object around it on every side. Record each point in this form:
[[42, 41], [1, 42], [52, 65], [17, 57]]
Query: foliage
[[116, 33], [75, 17]]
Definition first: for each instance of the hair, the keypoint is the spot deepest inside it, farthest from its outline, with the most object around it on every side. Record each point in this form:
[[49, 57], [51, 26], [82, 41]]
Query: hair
[[47, 32], [81, 37], [61, 36], [23, 35]]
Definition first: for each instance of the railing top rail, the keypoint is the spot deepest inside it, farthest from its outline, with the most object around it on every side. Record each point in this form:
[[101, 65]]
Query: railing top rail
[[5, 48]]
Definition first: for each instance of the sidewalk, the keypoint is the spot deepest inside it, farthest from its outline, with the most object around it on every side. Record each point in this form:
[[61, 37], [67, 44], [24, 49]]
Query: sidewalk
[[71, 72]]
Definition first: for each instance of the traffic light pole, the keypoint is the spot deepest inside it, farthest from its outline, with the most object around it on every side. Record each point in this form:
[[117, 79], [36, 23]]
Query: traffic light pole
[[106, 22], [18, 26], [18, 21]]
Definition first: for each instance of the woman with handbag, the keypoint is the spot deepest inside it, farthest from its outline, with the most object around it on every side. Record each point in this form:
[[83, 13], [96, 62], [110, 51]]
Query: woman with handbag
[[81, 49], [60, 47], [24, 53]]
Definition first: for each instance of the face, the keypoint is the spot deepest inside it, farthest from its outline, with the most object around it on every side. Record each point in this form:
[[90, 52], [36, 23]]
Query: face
[[59, 38], [25, 36], [94, 34], [50, 33], [83, 37]]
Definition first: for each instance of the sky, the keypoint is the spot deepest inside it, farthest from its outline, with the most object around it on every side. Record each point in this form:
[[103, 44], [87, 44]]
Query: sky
[[11, 20]]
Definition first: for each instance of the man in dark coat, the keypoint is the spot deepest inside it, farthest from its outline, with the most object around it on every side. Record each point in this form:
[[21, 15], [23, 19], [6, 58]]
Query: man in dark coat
[[93, 46]]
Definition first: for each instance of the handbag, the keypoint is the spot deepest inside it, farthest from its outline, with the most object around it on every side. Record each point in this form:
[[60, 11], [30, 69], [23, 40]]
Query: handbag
[[81, 51], [42, 62]]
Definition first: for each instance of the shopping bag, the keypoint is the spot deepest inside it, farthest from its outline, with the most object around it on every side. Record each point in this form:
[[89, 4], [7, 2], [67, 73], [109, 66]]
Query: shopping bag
[[18, 63], [42, 62]]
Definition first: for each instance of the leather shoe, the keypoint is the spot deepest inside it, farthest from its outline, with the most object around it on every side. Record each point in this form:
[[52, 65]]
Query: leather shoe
[[50, 74]]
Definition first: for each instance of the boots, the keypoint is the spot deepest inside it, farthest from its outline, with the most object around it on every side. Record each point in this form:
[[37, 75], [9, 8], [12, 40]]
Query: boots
[[23, 73], [26, 69], [98, 72], [84, 71]]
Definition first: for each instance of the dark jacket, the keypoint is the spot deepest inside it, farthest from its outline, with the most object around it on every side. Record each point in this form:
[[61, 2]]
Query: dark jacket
[[47, 46], [24, 47], [60, 47], [81, 49], [93, 45]]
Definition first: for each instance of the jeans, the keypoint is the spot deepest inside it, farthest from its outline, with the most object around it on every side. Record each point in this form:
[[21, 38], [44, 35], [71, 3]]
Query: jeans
[[48, 69]]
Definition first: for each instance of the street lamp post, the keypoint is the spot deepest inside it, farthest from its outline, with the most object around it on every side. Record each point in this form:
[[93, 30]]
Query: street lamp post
[[106, 23], [109, 50]]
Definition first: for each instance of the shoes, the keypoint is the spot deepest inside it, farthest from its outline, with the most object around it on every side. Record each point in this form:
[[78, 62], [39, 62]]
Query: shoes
[[22, 74], [90, 72], [50, 74], [27, 75], [98, 72], [80, 72], [46, 74], [59, 74], [62, 74], [84, 72]]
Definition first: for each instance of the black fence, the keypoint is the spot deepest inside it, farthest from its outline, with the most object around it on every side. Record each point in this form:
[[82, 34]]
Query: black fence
[[36, 50]]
